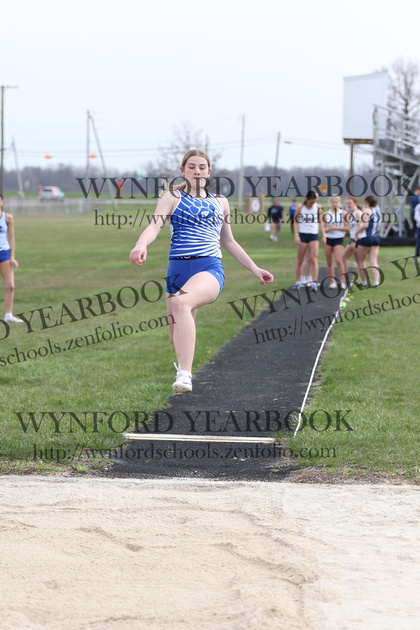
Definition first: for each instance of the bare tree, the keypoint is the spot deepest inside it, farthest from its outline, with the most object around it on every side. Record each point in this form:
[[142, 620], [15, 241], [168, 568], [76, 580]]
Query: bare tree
[[403, 120], [184, 139], [404, 87]]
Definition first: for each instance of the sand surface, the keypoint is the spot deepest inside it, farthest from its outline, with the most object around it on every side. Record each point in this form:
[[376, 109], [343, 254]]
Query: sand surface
[[83, 553]]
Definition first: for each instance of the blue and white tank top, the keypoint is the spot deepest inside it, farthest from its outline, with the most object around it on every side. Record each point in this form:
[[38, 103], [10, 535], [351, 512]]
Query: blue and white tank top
[[375, 218], [308, 220], [195, 226], [4, 243], [334, 218]]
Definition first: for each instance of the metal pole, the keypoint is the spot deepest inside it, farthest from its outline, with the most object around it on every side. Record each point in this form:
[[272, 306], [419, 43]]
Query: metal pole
[[3, 87], [87, 148], [241, 174], [351, 164], [277, 153], [87, 159], [103, 163], [19, 176]]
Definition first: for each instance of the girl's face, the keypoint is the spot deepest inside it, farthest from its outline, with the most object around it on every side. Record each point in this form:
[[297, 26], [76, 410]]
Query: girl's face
[[351, 206], [310, 202], [335, 203], [196, 166]]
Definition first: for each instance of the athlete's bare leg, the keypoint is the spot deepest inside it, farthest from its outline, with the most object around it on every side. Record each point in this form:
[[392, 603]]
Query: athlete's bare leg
[[313, 247], [201, 289], [301, 250], [7, 272]]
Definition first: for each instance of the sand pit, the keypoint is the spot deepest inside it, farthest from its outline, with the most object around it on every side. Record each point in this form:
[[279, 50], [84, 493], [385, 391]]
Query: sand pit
[[121, 554]]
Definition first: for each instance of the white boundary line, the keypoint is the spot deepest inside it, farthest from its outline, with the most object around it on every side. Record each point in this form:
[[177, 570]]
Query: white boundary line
[[317, 359], [167, 437]]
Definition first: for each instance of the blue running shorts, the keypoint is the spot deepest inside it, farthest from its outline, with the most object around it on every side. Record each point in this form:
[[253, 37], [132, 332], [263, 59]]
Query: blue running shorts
[[332, 242], [368, 241], [305, 237], [182, 269], [4, 255]]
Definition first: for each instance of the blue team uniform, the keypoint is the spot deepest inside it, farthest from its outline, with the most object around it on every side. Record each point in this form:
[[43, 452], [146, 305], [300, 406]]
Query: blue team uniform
[[195, 225], [372, 230], [4, 242]]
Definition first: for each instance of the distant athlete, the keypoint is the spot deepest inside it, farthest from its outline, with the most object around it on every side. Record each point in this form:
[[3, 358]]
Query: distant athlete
[[307, 222], [7, 261], [199, 224], [353, 217], [275, 218], [367, 237], [292, 210], [335, 228]]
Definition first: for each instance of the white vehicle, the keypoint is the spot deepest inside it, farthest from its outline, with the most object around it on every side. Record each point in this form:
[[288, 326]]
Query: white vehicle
[[51, 193]]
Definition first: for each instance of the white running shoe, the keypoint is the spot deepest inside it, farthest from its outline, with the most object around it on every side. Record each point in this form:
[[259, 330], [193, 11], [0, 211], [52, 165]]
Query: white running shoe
[[183, 380], [343, 286], [314, 287], [296, 286], [11, 318], [333, 285]]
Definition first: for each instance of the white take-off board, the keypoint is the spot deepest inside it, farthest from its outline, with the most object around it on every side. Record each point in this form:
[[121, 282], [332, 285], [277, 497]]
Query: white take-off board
[[361, 94]]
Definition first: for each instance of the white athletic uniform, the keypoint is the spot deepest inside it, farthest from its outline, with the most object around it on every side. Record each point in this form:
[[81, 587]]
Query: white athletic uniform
[[334, 218], [353, 228], [4, 243], [308, 220]]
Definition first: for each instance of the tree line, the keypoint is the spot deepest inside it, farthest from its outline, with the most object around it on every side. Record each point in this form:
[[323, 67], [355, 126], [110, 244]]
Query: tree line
[[64, 176]]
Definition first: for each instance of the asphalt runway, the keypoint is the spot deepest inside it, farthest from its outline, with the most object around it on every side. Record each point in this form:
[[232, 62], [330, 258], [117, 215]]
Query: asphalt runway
[[251, 388]]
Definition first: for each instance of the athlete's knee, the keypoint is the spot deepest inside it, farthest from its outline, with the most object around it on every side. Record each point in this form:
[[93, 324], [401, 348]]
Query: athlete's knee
[[180, 303], [10, 287]]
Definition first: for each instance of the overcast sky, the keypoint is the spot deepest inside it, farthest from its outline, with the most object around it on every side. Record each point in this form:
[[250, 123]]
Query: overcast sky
[[141, 68]]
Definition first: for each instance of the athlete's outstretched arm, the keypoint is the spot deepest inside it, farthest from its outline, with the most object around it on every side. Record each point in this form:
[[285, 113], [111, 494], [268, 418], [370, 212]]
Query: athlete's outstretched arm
[[163, 210], [236, 251]]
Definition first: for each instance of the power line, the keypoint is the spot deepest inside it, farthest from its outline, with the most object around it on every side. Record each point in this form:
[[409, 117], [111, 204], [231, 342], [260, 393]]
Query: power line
[[218, 144], [151, 153]]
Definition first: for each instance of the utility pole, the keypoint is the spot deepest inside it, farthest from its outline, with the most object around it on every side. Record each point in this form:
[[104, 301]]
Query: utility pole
[[19, 176], [3, 87], [277, 154], [103, 161], [87, 149], [241, 174], [351, 170]]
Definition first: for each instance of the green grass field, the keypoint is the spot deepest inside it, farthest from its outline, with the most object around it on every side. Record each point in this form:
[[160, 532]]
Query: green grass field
[[370, 367], [66, 258]]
